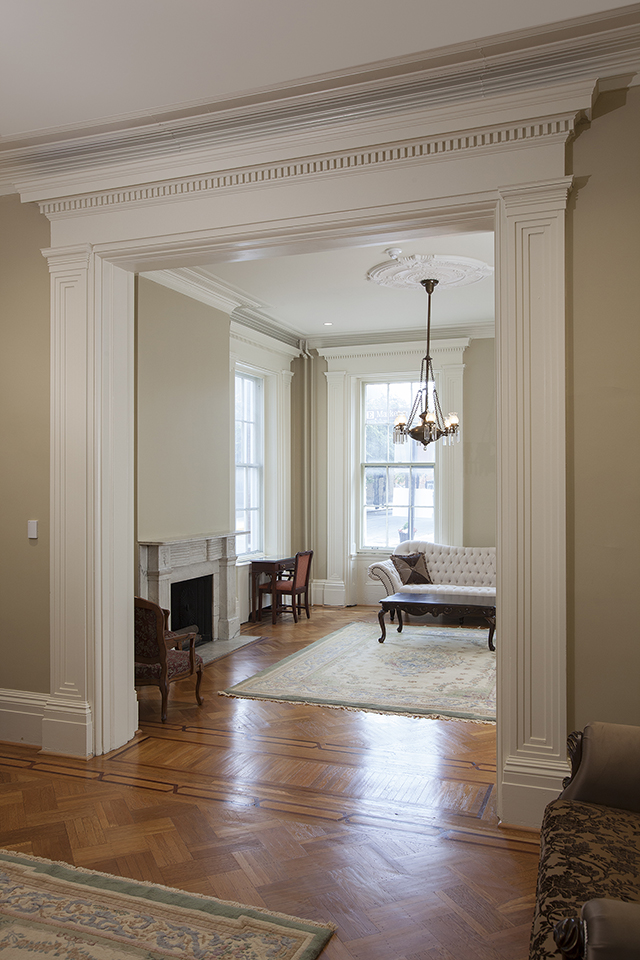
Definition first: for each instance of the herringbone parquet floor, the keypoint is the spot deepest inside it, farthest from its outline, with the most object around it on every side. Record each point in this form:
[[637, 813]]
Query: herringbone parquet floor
[[383, 825]]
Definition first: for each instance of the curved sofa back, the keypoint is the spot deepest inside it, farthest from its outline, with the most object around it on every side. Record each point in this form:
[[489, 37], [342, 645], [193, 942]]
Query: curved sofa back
[[466, 566]]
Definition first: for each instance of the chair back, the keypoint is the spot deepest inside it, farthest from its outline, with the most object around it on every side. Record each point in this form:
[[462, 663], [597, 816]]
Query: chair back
[[302, 569], [149, 645]]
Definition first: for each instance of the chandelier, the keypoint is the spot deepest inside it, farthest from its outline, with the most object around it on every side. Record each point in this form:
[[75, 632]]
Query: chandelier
[[426, 422]]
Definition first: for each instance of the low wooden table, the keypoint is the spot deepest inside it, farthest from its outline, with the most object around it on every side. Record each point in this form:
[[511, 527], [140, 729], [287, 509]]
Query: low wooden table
[[437, 604]]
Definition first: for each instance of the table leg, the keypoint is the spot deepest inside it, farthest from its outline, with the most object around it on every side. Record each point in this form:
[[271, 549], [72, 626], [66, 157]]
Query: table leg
[[382, 638], [254, 597], [400, 623], [274, 577]]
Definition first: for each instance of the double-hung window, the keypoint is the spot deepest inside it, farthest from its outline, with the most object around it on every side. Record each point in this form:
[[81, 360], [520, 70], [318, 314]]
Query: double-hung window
[[398, 480], [249, 434]]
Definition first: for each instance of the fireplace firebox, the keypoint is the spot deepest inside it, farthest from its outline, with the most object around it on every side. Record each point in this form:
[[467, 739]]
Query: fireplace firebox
[[191, 603]]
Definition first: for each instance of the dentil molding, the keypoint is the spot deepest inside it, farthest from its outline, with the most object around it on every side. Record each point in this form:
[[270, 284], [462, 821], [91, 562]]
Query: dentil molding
[[493, 138]]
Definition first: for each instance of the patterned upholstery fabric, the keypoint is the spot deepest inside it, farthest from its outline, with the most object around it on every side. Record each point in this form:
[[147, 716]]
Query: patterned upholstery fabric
[[177, 663], [588, 852], [146, 633]]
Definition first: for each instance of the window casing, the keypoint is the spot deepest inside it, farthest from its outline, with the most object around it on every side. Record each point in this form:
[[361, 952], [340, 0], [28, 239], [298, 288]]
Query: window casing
[[398, 481], [249, 463]]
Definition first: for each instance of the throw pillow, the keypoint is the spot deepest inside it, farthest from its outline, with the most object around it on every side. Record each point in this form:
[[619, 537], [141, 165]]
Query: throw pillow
[[412, 567]]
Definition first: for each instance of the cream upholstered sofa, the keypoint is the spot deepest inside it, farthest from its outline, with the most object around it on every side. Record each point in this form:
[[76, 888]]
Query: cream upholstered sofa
[[468, 570]]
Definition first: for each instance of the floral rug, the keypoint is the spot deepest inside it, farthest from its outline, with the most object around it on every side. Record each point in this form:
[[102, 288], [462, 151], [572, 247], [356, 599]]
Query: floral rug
[[50, 909], [425, 671]]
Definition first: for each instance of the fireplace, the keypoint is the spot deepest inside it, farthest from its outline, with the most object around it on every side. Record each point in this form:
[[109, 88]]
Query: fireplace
[[163, 564]]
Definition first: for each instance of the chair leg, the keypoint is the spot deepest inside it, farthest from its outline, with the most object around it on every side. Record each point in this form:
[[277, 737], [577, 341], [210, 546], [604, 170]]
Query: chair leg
[[294, 605], [198, 682], [306, 604], [274, 607], [164, 690]]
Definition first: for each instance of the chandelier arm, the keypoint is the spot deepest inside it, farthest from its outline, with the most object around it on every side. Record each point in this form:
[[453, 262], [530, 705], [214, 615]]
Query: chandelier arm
[[436, 399], [416, 403]]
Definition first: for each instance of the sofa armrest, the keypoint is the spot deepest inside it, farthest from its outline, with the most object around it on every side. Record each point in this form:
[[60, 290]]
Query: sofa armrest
[[608, 772], [606, 930], [385, 571]]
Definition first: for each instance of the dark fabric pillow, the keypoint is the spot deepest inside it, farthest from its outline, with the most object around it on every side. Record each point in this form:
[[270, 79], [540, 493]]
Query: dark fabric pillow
[[411, 567]]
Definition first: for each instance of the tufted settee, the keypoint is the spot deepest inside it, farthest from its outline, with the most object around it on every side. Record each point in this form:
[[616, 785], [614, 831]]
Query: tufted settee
[[452, 569], [588, 892]]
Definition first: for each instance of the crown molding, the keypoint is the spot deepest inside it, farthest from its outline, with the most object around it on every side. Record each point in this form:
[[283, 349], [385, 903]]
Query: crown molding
[[240, 339], [442, 350], [490, 139], [244, 310], [411, 339], [519, 67], [199, 284]]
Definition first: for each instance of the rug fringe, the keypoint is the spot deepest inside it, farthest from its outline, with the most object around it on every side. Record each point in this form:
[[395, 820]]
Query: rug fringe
[[340, 706]]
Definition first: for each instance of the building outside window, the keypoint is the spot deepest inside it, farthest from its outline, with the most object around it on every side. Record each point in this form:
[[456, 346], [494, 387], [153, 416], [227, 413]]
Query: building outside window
[[249, 435], [398, 480]]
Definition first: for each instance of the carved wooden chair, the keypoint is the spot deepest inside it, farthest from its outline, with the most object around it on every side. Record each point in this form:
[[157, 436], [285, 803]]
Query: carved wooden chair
[[155, 662], [294, 584]]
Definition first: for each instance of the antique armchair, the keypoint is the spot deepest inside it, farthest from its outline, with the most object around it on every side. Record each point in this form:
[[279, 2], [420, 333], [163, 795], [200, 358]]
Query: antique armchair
[[155, 662]]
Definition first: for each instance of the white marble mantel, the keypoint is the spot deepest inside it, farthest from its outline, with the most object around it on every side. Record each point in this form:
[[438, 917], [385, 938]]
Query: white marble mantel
[[162, 563]]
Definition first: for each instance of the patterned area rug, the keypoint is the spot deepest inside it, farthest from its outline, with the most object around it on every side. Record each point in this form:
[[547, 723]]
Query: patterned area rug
[[425, 671], [50, 909]]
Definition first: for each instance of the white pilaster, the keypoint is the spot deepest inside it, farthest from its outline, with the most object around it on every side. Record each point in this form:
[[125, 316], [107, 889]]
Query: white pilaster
[[531, 586], [338, 491], [450, 459], [92, 705]]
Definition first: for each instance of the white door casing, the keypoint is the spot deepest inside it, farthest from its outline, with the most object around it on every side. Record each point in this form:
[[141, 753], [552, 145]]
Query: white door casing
[[517, 187]]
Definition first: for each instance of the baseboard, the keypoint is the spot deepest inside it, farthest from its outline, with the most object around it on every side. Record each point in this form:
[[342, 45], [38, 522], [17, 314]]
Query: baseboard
[[528, 785], [21, 715], [328, 593]]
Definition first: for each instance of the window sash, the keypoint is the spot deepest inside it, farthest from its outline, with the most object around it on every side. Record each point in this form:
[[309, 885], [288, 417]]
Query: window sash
[[249, 463], [397, 488]]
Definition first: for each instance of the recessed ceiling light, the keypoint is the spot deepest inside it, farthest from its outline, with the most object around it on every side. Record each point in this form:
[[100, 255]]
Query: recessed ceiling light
[[328, 323]]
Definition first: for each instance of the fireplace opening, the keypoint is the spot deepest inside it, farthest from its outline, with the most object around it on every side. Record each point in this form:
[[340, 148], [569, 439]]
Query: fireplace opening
[[192, 604]]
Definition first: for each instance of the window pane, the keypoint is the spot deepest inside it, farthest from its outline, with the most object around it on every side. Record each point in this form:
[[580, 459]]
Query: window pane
[[398, 479], [249, 462]]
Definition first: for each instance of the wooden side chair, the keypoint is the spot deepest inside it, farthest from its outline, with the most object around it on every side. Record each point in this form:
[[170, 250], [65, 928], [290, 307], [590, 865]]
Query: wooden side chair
[[289, 583], [155, 661]]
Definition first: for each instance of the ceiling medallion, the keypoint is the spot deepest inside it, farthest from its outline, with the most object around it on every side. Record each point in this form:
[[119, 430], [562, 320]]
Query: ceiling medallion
[[409, 272]]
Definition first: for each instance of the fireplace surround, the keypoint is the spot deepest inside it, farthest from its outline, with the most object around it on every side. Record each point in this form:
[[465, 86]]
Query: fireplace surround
[[162, 563]]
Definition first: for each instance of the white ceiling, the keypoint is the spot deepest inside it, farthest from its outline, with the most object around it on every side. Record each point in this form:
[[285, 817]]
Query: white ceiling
[[64, 63], [73, 65], [303, 293]]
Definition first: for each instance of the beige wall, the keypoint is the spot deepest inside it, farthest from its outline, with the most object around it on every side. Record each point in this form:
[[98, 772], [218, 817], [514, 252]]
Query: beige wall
[[183, 418], [479, 438], [24, 442], [604, 416]]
